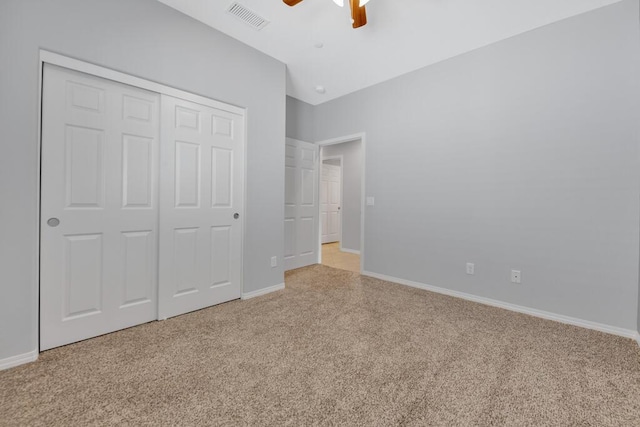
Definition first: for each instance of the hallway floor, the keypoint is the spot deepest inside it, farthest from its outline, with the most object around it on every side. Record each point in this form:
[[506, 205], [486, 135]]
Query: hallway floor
[[332, 256]]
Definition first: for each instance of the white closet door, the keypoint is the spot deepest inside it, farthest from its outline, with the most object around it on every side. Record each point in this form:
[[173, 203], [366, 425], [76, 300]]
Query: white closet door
[[201, 204], [330, 197], [301, 208], [99, 207]]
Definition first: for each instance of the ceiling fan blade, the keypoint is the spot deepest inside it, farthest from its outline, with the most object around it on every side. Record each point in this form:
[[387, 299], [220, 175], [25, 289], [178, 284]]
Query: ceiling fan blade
[[291, 2], [358, 14]]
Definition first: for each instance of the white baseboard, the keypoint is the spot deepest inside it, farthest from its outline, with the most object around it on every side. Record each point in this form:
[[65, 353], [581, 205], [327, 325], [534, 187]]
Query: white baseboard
[[20, 359], [614, 330], [350, 251], [260, 292]]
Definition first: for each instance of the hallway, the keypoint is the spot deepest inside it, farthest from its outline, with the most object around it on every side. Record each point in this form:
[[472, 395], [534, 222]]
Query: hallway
[[332, 256]]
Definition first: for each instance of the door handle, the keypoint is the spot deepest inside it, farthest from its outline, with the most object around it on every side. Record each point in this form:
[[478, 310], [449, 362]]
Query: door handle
[[53, 222], [236, 215]]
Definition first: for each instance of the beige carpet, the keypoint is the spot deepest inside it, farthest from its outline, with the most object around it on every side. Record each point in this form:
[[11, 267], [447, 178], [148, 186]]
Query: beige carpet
[[334, 349]]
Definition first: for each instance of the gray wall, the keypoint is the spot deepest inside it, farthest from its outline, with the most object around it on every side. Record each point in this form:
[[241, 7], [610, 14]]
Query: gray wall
[[150, 40], [520, 155], [352, 190], [299, 120]]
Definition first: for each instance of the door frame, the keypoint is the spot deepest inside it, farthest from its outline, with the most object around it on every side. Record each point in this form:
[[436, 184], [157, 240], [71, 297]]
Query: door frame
[[48, 57], [362, 137], [322, 159]]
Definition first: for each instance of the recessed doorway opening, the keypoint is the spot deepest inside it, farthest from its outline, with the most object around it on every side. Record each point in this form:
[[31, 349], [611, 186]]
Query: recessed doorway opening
[[340, 204]]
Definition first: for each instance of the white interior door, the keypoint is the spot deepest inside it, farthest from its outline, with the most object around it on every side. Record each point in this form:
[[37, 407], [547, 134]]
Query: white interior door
[[201, 203], [99, 207], [301, 209], [330, 198]]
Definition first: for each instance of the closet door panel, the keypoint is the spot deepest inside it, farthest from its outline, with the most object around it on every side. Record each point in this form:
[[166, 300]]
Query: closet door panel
[[99, 206], [201, 204]]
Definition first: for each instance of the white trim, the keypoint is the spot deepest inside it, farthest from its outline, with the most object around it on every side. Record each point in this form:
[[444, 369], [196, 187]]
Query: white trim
[[341, 139], [350, 251], [36, 285], [261, 292], [245, 200], [614, 330], [362, 136], [107, 73], [317, 201], [20, 359]]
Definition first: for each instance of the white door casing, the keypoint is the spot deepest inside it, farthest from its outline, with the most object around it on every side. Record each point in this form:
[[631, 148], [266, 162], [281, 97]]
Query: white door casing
[[202, 189], [99, 206], [301, 208], [330, 199]]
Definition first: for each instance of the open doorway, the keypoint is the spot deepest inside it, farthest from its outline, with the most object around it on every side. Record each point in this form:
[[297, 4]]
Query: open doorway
[[341, 204], [331, 200]]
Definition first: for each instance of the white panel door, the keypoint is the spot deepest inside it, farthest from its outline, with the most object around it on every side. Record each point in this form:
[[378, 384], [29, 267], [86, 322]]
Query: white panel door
[[300, 205], [201, 203], [99, 207], [330, 189]]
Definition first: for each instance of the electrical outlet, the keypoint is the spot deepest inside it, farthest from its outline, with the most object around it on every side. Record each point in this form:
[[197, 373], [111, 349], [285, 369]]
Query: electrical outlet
[[471, 268], [371, 201], [516, 276], [274, 261]]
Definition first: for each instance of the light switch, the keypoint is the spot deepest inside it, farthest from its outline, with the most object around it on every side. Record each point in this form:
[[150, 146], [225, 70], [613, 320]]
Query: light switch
[[370, 201]]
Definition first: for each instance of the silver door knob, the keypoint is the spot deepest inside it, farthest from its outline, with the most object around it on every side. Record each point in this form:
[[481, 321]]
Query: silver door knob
[[53, 222], [236, 215]]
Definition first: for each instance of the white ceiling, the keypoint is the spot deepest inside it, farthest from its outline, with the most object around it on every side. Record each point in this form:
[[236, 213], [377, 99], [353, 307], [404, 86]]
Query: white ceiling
[[401, 36]]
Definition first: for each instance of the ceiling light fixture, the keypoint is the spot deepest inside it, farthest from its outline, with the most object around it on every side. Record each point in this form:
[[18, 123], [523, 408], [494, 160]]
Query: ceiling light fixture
[[341, 2], [358, 11]]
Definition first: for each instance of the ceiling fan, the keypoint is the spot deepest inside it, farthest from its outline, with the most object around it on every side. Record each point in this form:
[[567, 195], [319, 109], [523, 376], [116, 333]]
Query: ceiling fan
[[358, 12]]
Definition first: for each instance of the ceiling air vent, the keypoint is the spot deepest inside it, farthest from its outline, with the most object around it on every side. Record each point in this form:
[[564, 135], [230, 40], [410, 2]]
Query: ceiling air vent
[[247, 16]]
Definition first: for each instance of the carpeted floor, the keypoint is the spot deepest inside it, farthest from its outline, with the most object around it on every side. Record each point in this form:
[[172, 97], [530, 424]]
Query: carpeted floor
[[334, 349]]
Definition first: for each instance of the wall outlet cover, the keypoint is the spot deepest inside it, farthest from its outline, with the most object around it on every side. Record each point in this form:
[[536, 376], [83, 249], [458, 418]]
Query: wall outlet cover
[[471, 267], [516, 276]]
